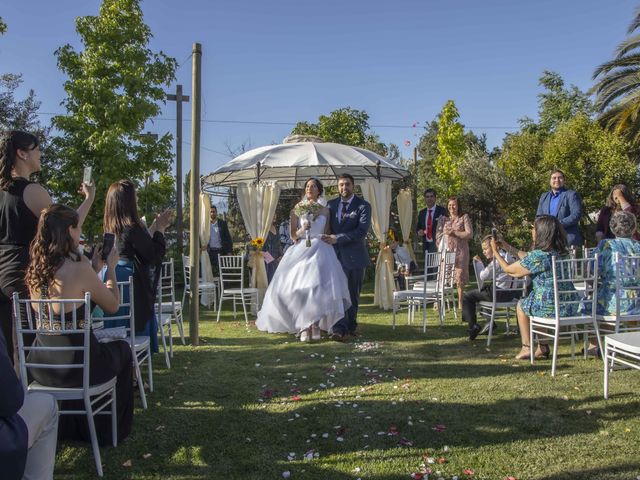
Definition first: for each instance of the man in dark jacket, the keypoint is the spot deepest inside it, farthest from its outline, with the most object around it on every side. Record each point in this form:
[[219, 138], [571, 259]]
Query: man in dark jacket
[[427, 221], [28, 427], [220, 242]]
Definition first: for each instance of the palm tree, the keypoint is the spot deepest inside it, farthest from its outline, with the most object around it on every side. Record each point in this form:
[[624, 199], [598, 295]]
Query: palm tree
[[617, 87]]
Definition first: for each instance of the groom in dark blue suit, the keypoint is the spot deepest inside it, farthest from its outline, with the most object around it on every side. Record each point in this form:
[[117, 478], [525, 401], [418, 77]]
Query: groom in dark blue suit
[[350, 221]]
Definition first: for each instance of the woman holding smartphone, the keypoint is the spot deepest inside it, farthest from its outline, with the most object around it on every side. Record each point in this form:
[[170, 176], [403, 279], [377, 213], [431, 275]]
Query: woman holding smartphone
[[141, 252], [21, 202]]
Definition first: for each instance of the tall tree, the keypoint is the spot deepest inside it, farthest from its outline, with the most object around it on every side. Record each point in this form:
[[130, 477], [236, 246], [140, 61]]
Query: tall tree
[[556, 104], [451, 147], [617, 87], [115, 86], [347, 126]]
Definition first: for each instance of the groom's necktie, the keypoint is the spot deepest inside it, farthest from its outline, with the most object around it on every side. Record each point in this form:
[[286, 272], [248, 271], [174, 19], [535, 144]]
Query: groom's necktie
[[343, 213]]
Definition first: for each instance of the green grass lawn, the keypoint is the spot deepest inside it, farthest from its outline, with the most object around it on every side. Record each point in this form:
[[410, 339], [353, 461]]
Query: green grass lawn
[[248, 405]]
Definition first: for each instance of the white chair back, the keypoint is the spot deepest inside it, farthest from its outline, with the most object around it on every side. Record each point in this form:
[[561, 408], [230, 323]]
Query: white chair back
[[231, 268], [568, 272], [627, 294], [38, 317], [125, 314]]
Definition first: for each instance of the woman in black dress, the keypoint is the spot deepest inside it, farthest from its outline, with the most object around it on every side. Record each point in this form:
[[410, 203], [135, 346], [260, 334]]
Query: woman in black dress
[[21, 202], [58, 271], [141, 252]]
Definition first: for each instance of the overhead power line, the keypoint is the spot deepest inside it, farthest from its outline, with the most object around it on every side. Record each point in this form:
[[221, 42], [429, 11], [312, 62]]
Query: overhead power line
[[259, 122]]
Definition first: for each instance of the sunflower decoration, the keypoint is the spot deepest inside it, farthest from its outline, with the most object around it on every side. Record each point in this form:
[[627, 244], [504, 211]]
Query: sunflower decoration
[[257, 243]]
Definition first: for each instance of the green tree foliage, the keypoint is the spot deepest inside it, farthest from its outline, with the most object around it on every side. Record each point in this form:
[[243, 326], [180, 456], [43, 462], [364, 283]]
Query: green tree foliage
[[556, 104], [617, 87], [347, 126], [19, 114], [3, 26], [451, 147], [115, 85], [593, 159]]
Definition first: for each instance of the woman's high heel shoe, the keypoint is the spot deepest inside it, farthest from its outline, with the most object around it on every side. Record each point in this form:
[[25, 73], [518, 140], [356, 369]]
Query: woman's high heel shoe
[[525, 353], [543, 351]]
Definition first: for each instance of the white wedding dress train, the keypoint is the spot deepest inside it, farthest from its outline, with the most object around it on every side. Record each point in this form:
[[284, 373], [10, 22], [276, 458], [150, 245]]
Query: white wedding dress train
[[308, 287]]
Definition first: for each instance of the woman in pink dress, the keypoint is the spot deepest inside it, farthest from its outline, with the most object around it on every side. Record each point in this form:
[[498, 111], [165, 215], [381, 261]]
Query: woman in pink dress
[[456, 231]]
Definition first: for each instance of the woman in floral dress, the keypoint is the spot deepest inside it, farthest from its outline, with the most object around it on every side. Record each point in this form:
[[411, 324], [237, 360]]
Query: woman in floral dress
[[456, 230], [623, 226], [549, 240]]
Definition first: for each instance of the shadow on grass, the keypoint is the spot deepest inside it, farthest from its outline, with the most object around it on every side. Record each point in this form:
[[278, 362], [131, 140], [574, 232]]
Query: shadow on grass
[[632, 469], [202, 440]]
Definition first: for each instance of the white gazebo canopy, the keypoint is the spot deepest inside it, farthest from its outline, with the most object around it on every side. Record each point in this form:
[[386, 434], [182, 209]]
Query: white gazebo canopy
[[260, 174]]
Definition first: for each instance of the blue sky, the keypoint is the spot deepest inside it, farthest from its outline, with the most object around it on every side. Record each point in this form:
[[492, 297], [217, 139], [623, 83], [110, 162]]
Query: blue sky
[[286, 61]]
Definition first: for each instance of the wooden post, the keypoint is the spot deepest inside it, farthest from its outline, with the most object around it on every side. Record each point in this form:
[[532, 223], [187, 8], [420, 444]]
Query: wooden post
[[194, 198], [179, 98]]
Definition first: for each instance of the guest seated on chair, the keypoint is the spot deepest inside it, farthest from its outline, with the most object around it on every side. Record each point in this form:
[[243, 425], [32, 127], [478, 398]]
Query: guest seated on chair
[[28, 427], [404, 263], [485, 294], [623, 226], [58, 271], [549, 240]]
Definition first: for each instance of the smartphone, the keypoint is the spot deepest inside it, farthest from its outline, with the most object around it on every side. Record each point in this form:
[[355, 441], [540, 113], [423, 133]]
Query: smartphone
[[494, 234], [108, 240], [86, 178]]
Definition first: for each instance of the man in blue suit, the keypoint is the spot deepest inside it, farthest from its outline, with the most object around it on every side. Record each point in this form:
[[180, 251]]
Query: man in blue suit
[[565, 205], [350, 221]]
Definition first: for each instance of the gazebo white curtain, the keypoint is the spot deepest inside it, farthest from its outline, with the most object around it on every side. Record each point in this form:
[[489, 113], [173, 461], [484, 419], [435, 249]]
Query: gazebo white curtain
[[378, 194], [405, 213], [205, 234], [258, 202]]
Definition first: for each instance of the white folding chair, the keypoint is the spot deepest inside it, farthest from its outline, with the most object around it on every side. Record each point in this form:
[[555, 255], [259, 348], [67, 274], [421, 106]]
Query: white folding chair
[[167, 292], [565, 272], [210, 288], [231, 268], [622, 348], [140, 344], [44, 322], [494, 309], [423, 292], [627, 296]]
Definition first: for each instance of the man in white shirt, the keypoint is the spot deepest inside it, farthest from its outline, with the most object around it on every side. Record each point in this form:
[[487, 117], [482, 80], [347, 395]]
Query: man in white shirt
[[220, 242], [485, 294]]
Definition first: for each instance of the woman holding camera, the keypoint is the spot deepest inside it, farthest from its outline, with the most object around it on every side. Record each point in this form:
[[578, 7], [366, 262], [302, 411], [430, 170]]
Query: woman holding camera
[[141, 252], [549, 240], [21, 202], [58, 271]]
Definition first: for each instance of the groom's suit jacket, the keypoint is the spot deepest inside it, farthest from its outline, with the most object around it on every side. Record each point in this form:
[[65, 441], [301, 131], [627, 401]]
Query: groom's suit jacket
[[351, 232]]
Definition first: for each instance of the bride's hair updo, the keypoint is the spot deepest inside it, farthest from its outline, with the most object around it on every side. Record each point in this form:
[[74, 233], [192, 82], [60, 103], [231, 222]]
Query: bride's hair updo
[[318, 184]]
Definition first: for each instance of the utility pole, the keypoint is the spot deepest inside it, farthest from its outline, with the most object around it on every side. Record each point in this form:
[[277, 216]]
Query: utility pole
[[179, 98], [194, 200], [147, 181], [415, 180]]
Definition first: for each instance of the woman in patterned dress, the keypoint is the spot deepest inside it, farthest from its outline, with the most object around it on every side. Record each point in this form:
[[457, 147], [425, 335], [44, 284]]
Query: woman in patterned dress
[[549, 240], [623, 226], [456, 231]]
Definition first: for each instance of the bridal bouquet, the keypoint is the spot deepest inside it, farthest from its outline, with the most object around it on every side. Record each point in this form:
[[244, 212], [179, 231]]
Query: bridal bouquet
[[309, 211]]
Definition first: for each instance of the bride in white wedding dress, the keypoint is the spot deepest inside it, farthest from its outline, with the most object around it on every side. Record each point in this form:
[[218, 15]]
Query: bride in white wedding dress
[[309, 290]]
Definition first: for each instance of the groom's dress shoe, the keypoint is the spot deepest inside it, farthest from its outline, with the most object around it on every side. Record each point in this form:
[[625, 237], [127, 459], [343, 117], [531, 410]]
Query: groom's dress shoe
[[337, 337]]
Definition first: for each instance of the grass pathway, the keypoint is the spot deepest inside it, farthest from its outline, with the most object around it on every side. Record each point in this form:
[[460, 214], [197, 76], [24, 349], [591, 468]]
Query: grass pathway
[[247, 405]]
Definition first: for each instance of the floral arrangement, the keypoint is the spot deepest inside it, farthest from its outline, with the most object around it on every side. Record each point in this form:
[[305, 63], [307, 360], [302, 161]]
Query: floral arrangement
[[257, 243], [306, 207]]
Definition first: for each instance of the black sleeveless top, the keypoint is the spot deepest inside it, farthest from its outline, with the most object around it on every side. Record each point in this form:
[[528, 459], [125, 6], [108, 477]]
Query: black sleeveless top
[[18, 224]]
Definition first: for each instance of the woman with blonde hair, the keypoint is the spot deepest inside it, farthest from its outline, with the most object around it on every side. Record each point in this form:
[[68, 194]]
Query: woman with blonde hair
[[454, 232]]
